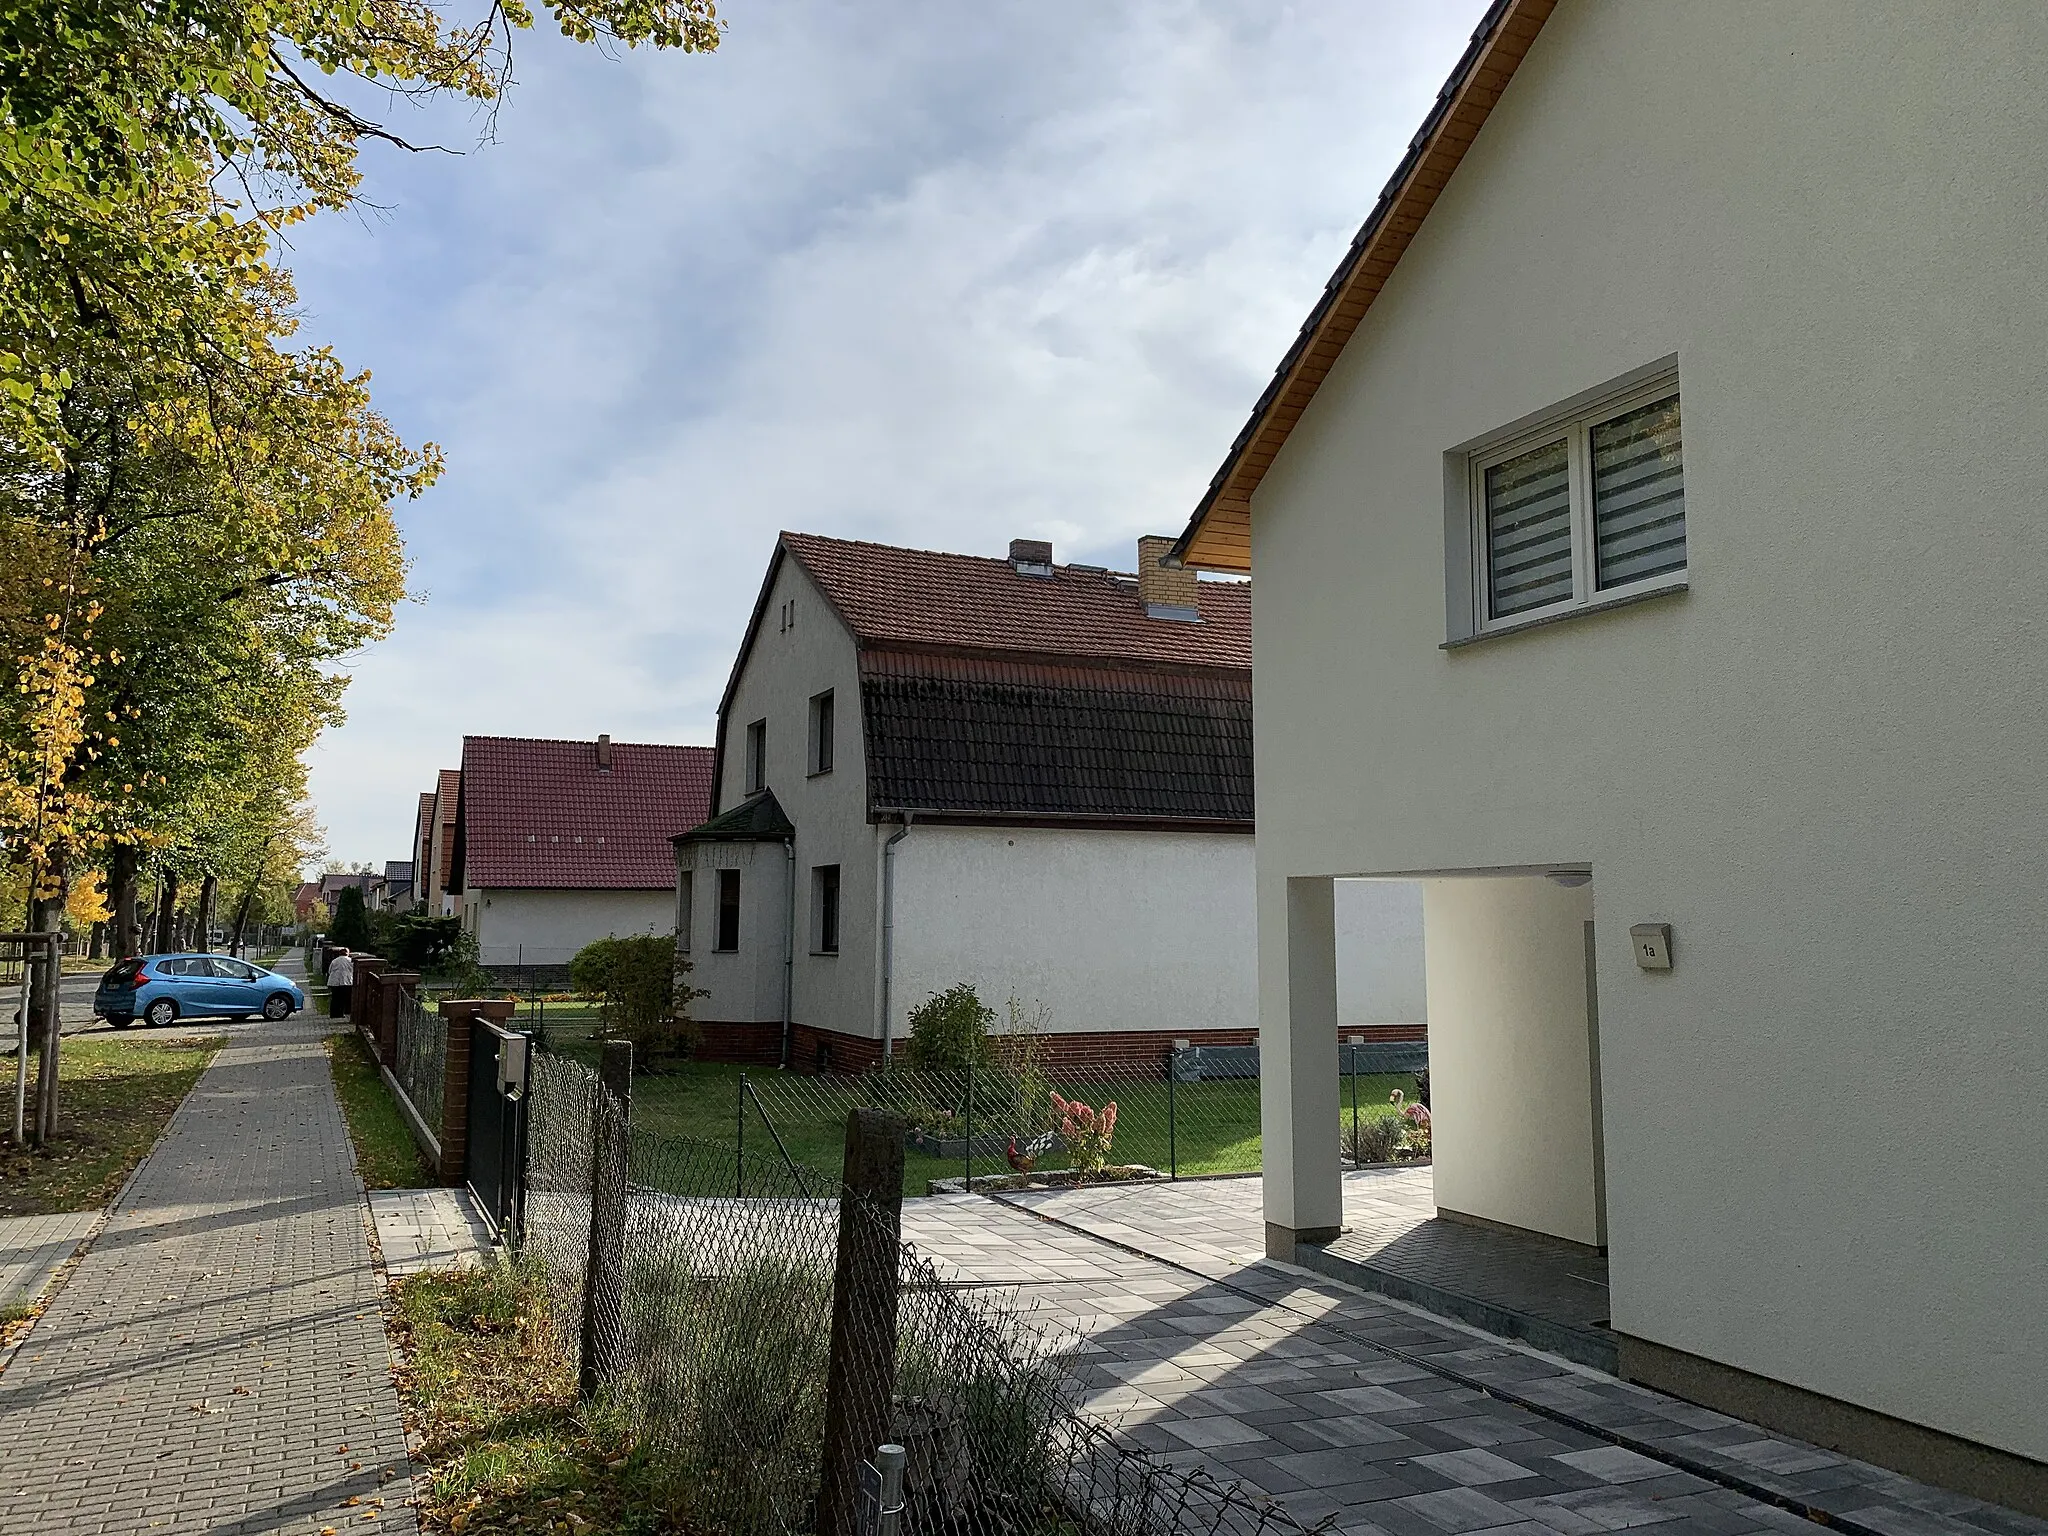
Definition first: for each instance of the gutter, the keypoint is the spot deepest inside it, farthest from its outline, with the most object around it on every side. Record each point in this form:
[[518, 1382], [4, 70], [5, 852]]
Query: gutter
[[889, 928], [789, 952]]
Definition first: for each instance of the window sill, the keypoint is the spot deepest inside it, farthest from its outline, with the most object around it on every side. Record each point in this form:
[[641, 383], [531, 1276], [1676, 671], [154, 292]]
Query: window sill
[[1604, 605], [819, 773], [824, 954]]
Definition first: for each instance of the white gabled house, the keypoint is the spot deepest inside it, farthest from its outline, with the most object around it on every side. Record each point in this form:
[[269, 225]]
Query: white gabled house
[[1037, 778], [1663, 465]]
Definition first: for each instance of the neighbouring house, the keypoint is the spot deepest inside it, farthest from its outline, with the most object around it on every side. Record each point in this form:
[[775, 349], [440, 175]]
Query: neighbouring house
[[334, 883], [1648, 541], [306, 902], [434, 845], [1036, 778], [422, 849], [396, 895], [558, 843]]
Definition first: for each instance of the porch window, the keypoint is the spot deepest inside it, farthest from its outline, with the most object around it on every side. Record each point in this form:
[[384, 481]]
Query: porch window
[[1583, 510], [728, 936], [686, 890], [825, 909]]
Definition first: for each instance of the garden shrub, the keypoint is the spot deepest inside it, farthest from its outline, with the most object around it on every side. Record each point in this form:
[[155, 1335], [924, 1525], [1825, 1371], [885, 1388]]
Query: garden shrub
[[950, 1029], [1374, 1137], [637, 984]]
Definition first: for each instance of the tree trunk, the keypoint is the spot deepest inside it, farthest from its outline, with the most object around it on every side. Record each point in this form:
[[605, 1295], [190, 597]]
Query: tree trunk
[[125, 896], [166, 915], [202, 921], [97, 948], [50, 919]]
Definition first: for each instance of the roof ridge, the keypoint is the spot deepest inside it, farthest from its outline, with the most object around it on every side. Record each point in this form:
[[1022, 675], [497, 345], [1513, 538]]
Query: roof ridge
[[586, 741]]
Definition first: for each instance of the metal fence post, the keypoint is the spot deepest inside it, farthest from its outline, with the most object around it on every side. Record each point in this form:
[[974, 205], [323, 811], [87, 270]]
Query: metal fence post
[[969, 1169], [739, 1156], [860, 1377], [1172, 1113], [604, 1275]]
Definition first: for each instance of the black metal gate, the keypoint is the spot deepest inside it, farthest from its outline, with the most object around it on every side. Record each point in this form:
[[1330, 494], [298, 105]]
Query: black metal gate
[[497, 1126]]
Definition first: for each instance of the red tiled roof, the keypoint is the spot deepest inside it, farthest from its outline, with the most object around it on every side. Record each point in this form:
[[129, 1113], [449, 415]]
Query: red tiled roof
[[924, 598], [542, 815], [448, 785]]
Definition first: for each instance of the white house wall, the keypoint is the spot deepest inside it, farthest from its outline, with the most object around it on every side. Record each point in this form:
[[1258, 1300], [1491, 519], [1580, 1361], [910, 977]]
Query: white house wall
[[784, 670], [745, 985], [537, 927], [1108, 930], [1822, 765]]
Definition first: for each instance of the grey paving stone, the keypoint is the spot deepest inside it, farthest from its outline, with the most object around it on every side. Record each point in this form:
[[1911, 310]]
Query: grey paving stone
[[222, 1339], [1474, 1467]]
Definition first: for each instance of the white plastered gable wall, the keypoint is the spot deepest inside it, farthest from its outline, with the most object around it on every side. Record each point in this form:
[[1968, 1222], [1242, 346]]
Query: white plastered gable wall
[[1822, 764], [547, 927]]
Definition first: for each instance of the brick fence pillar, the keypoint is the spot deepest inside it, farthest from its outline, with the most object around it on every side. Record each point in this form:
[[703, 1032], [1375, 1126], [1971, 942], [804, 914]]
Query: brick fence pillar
[[362, 1007], [460, 1014], [392, 986]]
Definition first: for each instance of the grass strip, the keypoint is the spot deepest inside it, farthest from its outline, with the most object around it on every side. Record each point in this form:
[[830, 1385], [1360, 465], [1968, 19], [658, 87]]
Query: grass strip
[[505, 1446], [114, 1098], [387, 1157]]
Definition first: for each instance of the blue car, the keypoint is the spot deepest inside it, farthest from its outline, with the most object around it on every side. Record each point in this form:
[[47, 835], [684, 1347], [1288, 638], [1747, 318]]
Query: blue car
[[161, 988]]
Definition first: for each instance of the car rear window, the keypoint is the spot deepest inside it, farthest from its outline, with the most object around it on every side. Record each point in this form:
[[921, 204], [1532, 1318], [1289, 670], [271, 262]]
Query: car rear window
[[121, 974]]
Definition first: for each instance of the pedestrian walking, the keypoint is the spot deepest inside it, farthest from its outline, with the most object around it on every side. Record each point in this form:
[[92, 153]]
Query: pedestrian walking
[[341, 984]]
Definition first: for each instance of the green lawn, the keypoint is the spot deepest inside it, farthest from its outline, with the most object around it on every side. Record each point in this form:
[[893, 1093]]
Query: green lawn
[[114, 1097], [1201, 1128], [387, 1156]]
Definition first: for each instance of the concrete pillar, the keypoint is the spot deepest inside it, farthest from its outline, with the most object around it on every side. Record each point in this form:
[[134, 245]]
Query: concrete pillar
[[1298, 1079]]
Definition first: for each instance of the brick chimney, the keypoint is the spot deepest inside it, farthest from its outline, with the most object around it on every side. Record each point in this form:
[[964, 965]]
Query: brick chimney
[[1031, 557], [1167, 592], [604, 754]]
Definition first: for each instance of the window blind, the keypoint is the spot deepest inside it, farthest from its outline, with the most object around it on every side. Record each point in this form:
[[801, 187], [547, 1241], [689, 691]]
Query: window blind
[[1529, 531], [1638, 495]]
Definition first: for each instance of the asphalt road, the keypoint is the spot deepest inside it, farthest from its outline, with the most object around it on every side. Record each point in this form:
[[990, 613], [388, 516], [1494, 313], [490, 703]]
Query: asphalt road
[[76, 1005]]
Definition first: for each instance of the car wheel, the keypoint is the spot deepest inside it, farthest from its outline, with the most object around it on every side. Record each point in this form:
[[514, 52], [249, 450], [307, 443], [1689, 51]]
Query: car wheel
[[161, 1012], [121, 1021], [277, 1006]]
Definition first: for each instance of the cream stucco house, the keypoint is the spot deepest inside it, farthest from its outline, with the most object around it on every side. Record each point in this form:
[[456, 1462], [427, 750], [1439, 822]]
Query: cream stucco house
[[1649, 531], [559, 843], [941, 768]]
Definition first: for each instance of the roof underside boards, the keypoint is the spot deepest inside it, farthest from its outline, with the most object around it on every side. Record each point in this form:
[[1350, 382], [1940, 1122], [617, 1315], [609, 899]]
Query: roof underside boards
[[992, 738], [914, 597], [541, 815], [757, 819], [1218, 537]]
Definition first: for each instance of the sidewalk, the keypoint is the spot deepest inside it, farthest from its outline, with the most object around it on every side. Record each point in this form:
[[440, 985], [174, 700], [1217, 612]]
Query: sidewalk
[[217, 1362]]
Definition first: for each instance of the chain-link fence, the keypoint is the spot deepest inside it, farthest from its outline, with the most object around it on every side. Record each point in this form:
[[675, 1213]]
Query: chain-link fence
[[1186, 1113], [420, 1054], [765, 1346]]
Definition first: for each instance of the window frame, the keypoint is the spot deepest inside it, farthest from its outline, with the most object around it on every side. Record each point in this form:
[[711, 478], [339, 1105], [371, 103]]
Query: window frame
[[824, 878], [756, 764], [728, 880], [1574, 424], [686, 904], [824, 723]]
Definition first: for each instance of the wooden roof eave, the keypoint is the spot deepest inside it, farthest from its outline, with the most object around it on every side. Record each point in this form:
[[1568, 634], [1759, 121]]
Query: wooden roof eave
[[1219, 535]]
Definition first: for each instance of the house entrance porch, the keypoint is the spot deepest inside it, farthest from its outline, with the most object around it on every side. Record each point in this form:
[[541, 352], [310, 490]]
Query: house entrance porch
[[1508, 1229]]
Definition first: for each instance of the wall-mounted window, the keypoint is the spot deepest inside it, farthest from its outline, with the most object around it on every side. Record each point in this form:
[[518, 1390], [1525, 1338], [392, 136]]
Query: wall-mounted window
[[820, 754], [728, 935], [757, 757], [787, 613], [1583, 509], [825, 909], [686, 893]]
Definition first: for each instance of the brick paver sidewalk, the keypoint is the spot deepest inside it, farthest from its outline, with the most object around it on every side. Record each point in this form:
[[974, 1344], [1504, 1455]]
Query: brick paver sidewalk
[[217, 1362]]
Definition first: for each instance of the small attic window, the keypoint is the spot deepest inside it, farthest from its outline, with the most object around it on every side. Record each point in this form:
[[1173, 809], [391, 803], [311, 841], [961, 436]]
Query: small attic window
[[1031, 557]]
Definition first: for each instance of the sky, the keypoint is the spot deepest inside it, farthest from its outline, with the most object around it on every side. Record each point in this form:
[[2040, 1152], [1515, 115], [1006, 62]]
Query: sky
[[931, 274]]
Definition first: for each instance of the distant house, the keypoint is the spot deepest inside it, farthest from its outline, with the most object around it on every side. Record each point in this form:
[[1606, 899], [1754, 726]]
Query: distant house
[[333, 884], [557, 843], [396, 896], [1037, 778], [306, 902], [434, 845]]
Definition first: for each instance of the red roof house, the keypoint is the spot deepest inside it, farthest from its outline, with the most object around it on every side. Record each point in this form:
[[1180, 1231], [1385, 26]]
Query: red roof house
[[558, 843]]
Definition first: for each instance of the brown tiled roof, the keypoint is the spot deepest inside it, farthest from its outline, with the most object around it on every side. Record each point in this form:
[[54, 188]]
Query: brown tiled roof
[[1218, 536], [542, 815], [917, 597], [997, 737]]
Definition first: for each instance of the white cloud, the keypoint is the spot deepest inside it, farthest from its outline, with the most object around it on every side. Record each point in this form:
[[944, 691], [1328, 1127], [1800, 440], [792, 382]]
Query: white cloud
[[968, 273]]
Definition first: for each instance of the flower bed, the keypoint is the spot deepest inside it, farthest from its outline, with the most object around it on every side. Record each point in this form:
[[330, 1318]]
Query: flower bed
[[1057, 1178]]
